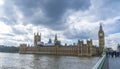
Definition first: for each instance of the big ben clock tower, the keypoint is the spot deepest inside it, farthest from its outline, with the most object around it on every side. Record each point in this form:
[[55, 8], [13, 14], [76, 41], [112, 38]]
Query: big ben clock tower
[[101, 39]]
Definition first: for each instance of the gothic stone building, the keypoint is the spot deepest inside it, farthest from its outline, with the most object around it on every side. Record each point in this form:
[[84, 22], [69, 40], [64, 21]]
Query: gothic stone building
[[80, 49]]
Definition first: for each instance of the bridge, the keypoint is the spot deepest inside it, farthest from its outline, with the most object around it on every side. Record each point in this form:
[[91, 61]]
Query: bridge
[[108, 63]]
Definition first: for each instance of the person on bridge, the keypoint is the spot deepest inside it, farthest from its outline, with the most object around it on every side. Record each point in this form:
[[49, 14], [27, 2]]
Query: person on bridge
[[112, 54], [107, 54], [117, 53]]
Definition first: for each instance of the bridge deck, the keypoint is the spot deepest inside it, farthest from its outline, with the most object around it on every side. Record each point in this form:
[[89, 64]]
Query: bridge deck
[[114, 63]]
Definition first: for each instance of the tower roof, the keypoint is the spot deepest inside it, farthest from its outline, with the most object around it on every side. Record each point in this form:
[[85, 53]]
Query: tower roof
[[100, 28], [55, 36], [50, 40]]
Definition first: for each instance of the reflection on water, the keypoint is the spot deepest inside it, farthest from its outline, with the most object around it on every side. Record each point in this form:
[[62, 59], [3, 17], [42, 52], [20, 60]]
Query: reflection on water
[[30, 61]]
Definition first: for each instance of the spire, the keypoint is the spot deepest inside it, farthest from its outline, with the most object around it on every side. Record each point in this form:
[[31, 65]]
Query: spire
[[55, 37], [50, 40], [55, 40], [101, 26], [40, 37]]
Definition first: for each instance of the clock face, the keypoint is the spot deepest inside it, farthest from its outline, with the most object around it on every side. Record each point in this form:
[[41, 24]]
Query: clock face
[[101, 34]]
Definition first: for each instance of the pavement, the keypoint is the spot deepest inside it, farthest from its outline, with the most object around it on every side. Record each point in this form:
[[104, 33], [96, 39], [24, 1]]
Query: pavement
[[114, 63]]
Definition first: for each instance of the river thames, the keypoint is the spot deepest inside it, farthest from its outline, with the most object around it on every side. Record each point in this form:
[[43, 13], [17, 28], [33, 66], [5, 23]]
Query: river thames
[[31, 61]]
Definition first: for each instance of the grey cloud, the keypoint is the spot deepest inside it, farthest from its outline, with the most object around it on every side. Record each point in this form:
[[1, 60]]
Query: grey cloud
[[17, 31], [9, 13], [9, 34], [112, 27], [52, 11], [106, 9], [80, 34]]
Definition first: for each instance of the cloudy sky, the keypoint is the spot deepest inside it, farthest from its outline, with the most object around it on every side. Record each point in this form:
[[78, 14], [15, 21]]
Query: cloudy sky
[[70, 19]]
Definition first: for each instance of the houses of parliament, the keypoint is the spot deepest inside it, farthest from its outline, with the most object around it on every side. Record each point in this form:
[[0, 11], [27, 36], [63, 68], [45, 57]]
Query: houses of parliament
[[79, 49]]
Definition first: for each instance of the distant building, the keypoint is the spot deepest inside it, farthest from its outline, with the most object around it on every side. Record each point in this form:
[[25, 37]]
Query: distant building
[[50, 41], [79, 49], [40, 43], [118, 47]]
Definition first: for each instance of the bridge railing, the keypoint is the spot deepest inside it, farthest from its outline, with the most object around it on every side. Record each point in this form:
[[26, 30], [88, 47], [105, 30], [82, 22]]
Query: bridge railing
[[100, 63]]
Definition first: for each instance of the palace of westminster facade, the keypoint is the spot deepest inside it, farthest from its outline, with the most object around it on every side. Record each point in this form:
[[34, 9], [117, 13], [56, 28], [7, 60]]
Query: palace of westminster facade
[[80, 49]]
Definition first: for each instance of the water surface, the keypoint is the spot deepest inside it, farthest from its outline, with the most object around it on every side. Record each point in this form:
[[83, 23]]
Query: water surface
[[31, 61]]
